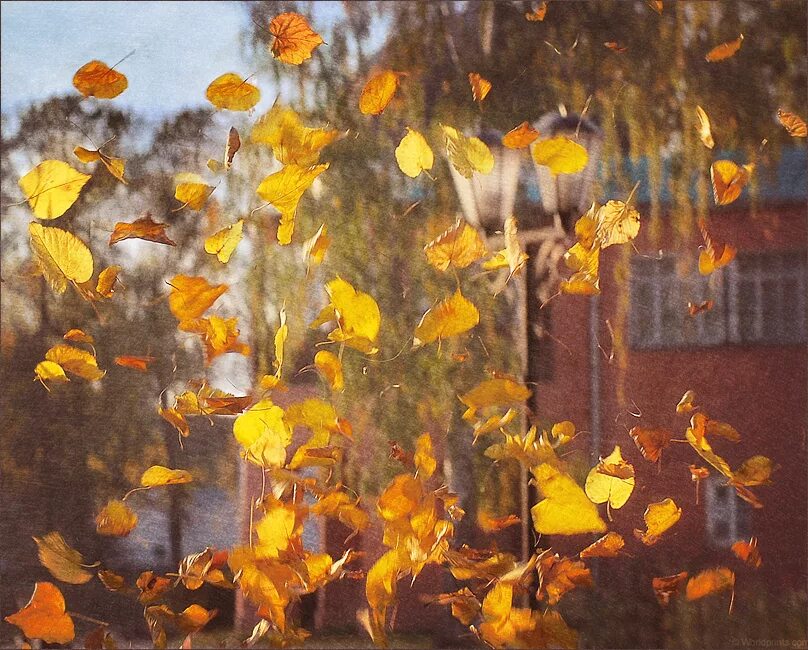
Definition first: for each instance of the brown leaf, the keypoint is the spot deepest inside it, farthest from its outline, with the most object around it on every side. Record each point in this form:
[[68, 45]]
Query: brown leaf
[[144, 228]]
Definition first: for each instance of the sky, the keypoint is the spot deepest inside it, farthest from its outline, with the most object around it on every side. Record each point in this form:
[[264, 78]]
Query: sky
[[180, 47]]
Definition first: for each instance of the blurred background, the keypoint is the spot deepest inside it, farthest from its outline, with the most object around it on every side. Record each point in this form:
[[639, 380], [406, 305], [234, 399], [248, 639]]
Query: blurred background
[[606, 363]]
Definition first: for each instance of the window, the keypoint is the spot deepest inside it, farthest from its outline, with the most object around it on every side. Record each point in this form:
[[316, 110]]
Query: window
[[759, 298], [727, 515]]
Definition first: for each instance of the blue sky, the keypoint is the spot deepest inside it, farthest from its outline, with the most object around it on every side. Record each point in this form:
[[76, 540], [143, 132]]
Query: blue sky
[[180, 47]]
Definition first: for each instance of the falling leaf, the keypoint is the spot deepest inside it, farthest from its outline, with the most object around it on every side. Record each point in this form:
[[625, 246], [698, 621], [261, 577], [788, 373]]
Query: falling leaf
[[793, 123], [330, 367], [107, 279], [656, 5], [52, 187], [314, 248], [609, 545], [748, 552], [157, 476], [143, 228], [565, 508], [292, 143], [115, 166], [490, 524], [424, 457], [192, 191], [561, 155], [650, 441], [705, 133], [709, 582], [614, 46], [756, 470], [695, 435], [558, 575], [668, 586], [263, 434], [294, 38], [687, 403], [480, 87], [694, 309], [617, 223], [176, 420], [136, 363], [659, 517], [75, 361], [512, 255], [78, 336], [611, 480], [116, 519], [230, 92], [538, 14], [152, 586], [219, 335], [712, 257], [192, 296], [728, 180], [50, 371], [230, 150], [413, 154], [112, 580], [499, 391], [520, 137], [451, 317], [284, 189], [378, 92], [467, 155], [100, 639], [63, 562], [458, 246], [44, 617], [724, 51], [464, 604], [224, 242], [356, 314], [97, 79]]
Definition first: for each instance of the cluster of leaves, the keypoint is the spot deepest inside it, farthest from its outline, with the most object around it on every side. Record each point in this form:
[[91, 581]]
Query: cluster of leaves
[[274, 570]]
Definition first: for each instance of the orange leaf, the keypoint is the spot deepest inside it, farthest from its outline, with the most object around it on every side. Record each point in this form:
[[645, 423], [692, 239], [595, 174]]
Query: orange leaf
[[748, 552], [489, 524], [694, 309], [709, 582], [607, 546], [143, 228], [78, 336], [538, 14], [480, 87], [724, 51], [668, 586], [44, 616], [232, 93], [107, 279], [115, 519], [192, 296], [728, 180], [294, 38], [650, 442], [614, 46], [97, 79], [520, 137], [136, 363], [176, 420], [559, 575], [793, 123], [711, 257], [220, 335], [378, 92]]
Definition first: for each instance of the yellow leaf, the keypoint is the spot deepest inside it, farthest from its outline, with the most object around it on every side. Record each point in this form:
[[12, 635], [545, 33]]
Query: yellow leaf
[[611, 480], [499, 391], [659, 517], [78, 336], [44, 616], [220, 335], [458, 246], [561, 155], [400, 498], [356, 313], [753, 471], [276, 529], [224, 242], [192, 296], [380, 590], [50, 371], [192, 191], [330, 367], [97, 79], [263, 434], [292, 143], [705, 133], [232, 93], [424, 456], [378, 92], [565, 509], [115, 166], [728, 180], [520, 137], [157, 476], [413, 154], [467, 155], [703, 448], [63, 562], [451, 317], [724, 51], [284, 189], [480, 87], [618, 223], [280, 339], [75, 361], [116, 519], [107, 279], [176, 420], [315, 247], [294, 38], [793, 123], [52, 187]]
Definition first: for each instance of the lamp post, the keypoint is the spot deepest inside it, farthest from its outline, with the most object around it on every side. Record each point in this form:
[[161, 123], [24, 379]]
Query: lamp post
[[487, 200]]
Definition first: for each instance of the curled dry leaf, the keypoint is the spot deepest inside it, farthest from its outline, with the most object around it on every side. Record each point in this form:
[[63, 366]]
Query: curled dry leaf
[[292, 142], [52, 187], [141, 364], [75, 361], [609, 545], [694, 309], [230, 92], [107, 279], [157, 476], [614, 46], [498, 391], [97, 79], [49, 371], [792, 123], [63, 562], [558, 575], [490, 524], [115, 166], [356, 314], [728, 180], [175, 419], [651, 441], [712, 257], [724, 51], [520, 137], [687, 404], [315, 248], [538, 13], [705, 132], [78, 336], [143, 228], [668, 586], [329, 366], [748, 552], [295, 40], [44, 616], [659, 517], [480, 87], [116, 519]]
